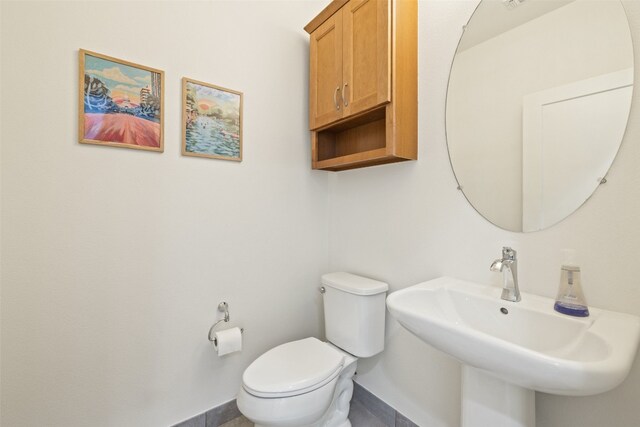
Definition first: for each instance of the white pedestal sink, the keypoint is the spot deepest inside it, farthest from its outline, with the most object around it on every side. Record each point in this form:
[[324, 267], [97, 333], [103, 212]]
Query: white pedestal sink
[[510, 349], [490, 401]]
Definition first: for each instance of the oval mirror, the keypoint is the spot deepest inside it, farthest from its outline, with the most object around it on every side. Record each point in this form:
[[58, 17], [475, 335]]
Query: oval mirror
[[537, 105]]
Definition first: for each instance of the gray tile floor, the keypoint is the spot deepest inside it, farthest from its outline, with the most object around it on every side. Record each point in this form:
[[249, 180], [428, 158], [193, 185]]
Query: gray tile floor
[[358, 415], [238, 422]]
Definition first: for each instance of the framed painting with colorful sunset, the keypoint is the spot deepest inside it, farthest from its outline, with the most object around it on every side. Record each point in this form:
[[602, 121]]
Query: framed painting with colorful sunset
[[212, 121], [121, 103]]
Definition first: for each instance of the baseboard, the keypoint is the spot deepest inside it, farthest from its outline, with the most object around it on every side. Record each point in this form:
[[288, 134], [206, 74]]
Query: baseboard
[[372, 403], [379, 408], [213, 417]]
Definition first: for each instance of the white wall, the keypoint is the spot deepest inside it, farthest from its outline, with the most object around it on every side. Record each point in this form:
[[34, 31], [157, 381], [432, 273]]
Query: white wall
[[490, 79], [114, 260], [406, 223]]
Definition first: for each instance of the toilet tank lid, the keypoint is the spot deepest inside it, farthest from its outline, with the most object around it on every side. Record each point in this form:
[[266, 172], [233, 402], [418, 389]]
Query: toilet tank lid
[[354, 284]]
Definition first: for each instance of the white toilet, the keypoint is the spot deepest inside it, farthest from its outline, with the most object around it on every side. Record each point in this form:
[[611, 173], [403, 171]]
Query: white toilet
[[308, 383]]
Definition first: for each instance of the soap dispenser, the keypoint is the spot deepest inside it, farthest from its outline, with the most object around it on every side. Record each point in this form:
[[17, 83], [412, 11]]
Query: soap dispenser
[[570, 299]]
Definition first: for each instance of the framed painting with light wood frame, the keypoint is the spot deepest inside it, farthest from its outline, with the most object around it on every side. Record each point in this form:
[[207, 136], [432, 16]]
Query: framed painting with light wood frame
[[211, 121], [121, 104]]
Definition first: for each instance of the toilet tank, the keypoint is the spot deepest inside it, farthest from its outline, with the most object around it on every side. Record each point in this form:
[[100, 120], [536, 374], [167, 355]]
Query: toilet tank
[[354, 310]]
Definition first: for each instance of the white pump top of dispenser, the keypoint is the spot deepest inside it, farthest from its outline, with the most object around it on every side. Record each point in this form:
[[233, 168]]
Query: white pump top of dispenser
[[569, 258]]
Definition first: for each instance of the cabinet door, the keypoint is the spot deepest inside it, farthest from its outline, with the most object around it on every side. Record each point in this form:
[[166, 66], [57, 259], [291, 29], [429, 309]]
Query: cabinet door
[[366, 55], [325, 73]]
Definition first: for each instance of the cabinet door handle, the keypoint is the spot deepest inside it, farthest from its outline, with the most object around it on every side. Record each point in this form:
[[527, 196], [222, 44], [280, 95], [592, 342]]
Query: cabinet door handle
[[335, 98], [344, 94]]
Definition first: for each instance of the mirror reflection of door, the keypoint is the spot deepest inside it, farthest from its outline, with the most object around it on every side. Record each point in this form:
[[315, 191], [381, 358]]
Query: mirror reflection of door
[[570, 135], [509, 55]]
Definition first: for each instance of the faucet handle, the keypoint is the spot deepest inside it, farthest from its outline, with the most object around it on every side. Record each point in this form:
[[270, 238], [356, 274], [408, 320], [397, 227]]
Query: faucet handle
[[496, 265], [508, 253]]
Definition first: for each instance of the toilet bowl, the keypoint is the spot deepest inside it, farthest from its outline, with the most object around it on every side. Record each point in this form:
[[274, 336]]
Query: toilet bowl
[[309, 383], [301, 383]]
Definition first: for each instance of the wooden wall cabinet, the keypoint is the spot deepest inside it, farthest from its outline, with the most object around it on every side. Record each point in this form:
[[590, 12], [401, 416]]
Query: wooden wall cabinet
[[363, 83]]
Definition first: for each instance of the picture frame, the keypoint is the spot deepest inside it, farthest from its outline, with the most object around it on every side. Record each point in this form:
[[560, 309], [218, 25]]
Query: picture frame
[[121, 104], [211, 121]]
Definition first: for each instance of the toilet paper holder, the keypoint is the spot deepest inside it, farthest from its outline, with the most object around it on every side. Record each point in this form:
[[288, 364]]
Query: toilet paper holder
[[223, 307]]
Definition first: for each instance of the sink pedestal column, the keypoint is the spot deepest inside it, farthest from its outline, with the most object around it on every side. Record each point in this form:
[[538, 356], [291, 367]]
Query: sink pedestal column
[[489, 401]]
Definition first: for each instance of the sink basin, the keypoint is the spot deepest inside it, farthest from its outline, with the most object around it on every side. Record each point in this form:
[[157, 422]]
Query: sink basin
[[524, 343]]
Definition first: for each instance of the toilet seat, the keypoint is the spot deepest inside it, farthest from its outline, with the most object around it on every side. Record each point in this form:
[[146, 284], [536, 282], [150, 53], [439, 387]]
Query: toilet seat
[[292, 369]]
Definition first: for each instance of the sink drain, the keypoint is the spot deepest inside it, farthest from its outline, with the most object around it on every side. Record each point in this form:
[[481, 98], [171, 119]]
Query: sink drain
[[504, 311]]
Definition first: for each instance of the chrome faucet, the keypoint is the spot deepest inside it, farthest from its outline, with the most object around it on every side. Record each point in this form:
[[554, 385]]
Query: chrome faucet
[[508, 266]]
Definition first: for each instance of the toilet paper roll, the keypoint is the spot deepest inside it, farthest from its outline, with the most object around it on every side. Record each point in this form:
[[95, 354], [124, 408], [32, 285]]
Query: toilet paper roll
[[228, 341]]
